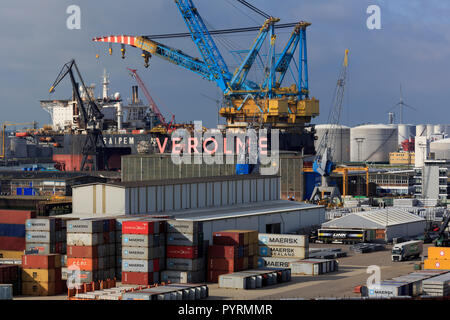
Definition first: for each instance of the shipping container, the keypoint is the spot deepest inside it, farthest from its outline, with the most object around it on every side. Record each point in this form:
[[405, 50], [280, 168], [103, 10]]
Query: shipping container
[[85, 264], [87, 226], [41, 275], [6, 291], [185, 264], [219, 251], [86, 251], [140, 227], [129, 265], [35, 261], [228, 238], [84, 239], [12, 230], [184, 239], [142, 278], [140, 253], [283, 252], [269, 262], [437, 264], [184, 227], [226, 264], [213, 275], [288, 240], [238, 281], [43, 224], [141, 240], [182, 252], [439, 253], [39, 289], [16, 216], [12, 244], [182, 276], [40, 236]]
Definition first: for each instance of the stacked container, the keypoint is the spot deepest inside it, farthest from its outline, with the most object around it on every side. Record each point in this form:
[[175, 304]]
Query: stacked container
[[438, 258], [41, 275], [10, 274], [91, 249], [119, 222], [279, 247], [185, 252], [45, 236], [142, 251], [232, 250], [12, 232]]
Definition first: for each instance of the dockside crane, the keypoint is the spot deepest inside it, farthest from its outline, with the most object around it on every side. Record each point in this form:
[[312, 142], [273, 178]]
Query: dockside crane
[[91, 118], [323, 163], [265, 104]]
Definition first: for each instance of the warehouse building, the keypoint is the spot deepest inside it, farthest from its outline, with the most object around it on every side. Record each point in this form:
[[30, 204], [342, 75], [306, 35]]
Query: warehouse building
[[171, 195], [382, 224], [278, 216]]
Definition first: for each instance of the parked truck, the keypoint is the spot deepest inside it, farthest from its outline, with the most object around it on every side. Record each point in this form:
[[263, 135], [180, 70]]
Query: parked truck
[[407, 250]]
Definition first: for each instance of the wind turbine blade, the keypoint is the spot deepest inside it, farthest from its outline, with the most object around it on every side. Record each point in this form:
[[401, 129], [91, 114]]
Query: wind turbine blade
[[411, 107]]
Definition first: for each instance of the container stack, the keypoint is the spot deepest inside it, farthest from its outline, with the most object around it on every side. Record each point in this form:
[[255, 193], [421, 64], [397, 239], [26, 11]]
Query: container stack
[[91, 253], [185, 252], [232, 250], [119, 222], [437, 286], [10, 275], [12, 232], [277, 250], [41, 275], [438, 258], [45, 236], [142, 251]]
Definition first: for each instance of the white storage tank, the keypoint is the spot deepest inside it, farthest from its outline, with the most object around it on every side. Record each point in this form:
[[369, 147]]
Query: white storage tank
[[439, 128], [430, 130], [421, 130], [339, 140], [441, 149], [373, 142], [405, 132]]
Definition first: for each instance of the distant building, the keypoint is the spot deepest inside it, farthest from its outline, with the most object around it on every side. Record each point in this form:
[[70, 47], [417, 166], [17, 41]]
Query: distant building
[[402, 158], [432, 180]]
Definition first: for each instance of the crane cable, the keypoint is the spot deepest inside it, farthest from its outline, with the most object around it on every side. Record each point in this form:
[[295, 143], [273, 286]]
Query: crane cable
[[252, 7]]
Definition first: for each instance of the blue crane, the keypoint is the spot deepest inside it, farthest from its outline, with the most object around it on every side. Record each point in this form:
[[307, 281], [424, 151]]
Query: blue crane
[[244, 99]]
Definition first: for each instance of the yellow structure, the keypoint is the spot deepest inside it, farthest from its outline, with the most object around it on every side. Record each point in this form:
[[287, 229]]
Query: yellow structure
[[405, 158]]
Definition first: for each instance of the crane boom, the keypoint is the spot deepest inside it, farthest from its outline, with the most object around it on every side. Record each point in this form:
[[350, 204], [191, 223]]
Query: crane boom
[[148, 96]]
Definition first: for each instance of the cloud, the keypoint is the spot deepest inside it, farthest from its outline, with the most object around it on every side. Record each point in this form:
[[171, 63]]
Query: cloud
[[412, 49]]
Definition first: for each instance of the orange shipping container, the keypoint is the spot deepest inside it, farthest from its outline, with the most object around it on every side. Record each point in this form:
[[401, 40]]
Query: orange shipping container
[[85, 264], [41, 275], [439, 264], [441, 253]]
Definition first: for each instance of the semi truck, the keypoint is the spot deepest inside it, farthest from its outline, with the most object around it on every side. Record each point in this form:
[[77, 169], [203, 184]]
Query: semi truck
[[407, 250]]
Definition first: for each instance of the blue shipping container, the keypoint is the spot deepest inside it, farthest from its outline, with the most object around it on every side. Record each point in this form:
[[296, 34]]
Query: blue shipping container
[[12, 230]]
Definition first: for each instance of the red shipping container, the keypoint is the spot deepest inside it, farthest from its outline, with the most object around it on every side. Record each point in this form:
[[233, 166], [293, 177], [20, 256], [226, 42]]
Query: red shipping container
[[16, 216], [213, 275], [82, 252], [85, 264], [230, 238], [142, 278], [246, 251], [217, 251], [41, 261], [60, 286], [223, 264], [140, 227], [12, 243], [182, 252]]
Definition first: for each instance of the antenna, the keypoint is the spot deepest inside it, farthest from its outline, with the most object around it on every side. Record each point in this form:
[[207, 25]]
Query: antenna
[[401, 105]]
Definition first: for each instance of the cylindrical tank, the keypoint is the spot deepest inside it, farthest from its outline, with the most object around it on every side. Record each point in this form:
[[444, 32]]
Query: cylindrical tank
[[421, 130], [373, 142], [430, 130], [405, 132], [339, 140], [439, 128], [441, 149]]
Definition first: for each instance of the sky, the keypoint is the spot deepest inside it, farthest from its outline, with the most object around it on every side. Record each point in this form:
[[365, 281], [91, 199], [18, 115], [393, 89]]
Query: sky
[[411, 49]]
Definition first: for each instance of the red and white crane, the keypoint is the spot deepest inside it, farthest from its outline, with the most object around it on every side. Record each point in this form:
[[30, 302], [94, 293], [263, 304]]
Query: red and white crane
[[152, 102]]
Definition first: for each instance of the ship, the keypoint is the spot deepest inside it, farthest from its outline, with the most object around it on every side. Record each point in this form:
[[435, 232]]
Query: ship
[[128, 128]]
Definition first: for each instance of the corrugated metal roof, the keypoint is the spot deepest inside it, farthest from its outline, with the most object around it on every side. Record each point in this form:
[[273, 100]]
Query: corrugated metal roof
[[379, 218], [240, 210], [131, 184]]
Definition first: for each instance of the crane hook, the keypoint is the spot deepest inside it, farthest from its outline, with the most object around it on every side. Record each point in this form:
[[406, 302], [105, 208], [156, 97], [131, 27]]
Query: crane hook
[[146, 57], [123, 50], [110, 50]]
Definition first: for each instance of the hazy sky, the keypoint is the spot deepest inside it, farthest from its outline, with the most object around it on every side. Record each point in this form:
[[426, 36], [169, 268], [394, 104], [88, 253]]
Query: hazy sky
[[411, 49]]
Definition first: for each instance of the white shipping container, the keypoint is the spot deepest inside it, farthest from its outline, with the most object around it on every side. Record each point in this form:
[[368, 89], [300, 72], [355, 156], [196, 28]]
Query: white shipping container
[[287, 240], [140, 240], [237, 280], [40, 224], [182, 239], [184, 227], [269, 262], [84, 239], [40, 236], [140, 253], [85, 226], [186, 264], [129, 265], [182, 276], [283, 252]]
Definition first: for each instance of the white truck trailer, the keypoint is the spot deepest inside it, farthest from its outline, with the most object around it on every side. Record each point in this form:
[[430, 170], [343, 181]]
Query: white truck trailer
[[407, 250]]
